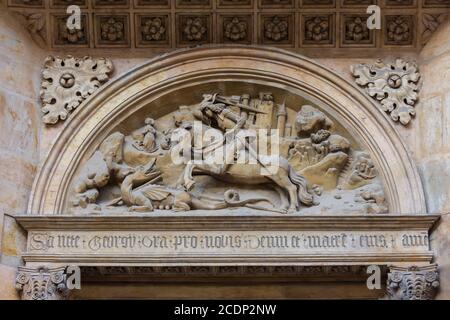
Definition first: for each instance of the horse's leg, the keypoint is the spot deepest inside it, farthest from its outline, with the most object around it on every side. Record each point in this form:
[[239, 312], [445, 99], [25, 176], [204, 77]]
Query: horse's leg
[[282, 179], [283, 198]]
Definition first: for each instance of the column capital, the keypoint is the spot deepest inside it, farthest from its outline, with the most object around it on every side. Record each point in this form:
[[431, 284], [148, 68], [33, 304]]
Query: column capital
[[42, 283], [412, 283]]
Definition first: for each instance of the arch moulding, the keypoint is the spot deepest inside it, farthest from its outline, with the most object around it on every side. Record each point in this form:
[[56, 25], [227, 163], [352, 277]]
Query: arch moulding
[[163, 75]]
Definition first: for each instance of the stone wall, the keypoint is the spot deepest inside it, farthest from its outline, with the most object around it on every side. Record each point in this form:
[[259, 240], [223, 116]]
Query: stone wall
[[433, 139], [20, 127]]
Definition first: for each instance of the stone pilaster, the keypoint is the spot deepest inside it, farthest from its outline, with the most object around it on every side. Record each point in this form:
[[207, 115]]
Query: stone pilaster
[[412, 283], [42, 283]]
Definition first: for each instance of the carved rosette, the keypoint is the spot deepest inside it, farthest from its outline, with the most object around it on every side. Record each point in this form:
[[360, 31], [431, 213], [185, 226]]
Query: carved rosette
[[394, 85], [67, 82], [42, 283], [412, 283]]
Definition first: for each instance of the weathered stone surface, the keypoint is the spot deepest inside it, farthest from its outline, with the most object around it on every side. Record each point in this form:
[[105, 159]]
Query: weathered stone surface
[[440, 242], [18, 117], [434, 134], [20, 62], [7, 277]]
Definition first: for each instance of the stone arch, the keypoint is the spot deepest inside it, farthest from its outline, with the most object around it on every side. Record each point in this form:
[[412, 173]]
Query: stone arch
[[162, 75]]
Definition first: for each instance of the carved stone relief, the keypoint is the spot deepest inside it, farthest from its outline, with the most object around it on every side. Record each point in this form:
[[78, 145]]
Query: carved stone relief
[[318, 30], [430, 24], [356, 31], [41, 283], [112, 31], [154, 30], [312, 24], [66, 82], [320, 171], [394, 85], [194, 29], [237, 28], [70, 37], [399, 30], [276, 29], [412, 283]]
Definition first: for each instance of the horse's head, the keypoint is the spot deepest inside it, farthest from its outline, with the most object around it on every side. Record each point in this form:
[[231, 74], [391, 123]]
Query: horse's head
[[181, 135]]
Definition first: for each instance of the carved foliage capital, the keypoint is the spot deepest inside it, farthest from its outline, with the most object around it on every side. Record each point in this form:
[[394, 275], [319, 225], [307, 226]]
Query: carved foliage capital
[[67, 82], [412, 283], [394, 85], [42, 283]]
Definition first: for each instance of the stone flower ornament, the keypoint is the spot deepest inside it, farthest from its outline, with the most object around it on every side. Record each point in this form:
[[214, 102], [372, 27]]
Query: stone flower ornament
[[194, 29], [236, 30], [66, 82], [276, 29], [153, 30], [394, 85]]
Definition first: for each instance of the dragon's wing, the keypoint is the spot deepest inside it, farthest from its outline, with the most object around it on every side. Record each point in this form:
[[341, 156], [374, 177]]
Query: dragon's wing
[[156, 193]]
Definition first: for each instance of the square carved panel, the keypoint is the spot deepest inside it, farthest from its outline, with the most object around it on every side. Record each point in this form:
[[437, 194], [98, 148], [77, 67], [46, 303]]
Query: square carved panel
[[112, 30], [235, 28], [276, 3], [400, 3], [235, 4], [399, 30], [152, 4], [111, 3], [197, 4], [318, 30], [430, 23], [299, 23], [354, 31], [276, 29], [357, 3], [194, 29], [66, 3], [26, 3], [152, 30], [436, 3], [318, 3], [63, 36]]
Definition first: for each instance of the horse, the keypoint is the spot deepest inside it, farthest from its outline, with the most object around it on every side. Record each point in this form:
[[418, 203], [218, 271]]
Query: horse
[[185, 141]]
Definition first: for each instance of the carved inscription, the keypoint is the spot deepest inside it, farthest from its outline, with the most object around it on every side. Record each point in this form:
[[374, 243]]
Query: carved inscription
[[225, 242]]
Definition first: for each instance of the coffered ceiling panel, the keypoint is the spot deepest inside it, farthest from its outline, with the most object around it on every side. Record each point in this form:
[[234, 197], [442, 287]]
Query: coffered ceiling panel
[[167, 24]]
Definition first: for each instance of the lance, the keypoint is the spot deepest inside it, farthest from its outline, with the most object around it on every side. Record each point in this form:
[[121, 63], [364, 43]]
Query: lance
[[240, 105]]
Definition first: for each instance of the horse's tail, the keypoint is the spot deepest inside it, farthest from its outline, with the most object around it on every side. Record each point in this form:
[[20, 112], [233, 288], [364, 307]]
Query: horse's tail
[[304, 196]]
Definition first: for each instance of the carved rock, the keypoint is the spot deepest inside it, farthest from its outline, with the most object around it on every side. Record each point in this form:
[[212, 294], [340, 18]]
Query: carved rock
[[362, 172], [67, 82], [412, 283], [310, 120], [394, 85]]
